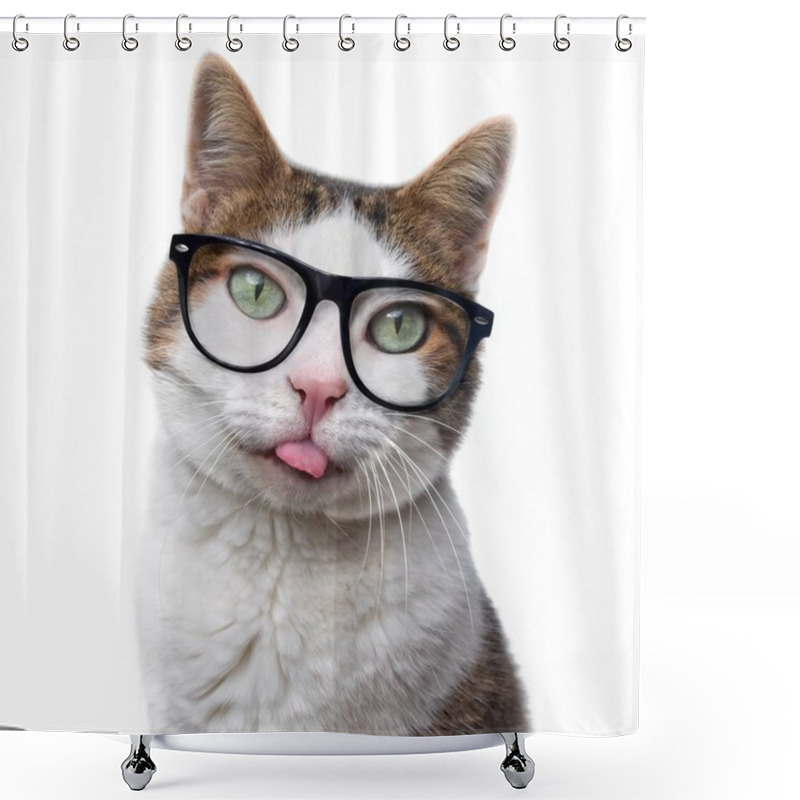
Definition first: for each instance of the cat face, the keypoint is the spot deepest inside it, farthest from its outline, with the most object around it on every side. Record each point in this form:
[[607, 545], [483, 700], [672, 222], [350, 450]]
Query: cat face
[[301, 436]]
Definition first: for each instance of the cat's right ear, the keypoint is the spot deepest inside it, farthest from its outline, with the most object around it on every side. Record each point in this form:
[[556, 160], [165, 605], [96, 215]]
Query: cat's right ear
[[230, 152]]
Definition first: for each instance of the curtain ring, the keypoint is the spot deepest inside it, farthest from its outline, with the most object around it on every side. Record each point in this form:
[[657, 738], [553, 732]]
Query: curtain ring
[[70, 42], [623, 45], [451, 42], [346, 42], [234, 45], [129, 43], [506, 42], [182, 42], [289, 44], [561, 43], [401, 42], [19, 43]]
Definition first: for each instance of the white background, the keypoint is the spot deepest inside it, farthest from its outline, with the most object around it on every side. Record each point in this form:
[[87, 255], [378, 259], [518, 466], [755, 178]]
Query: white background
[[721, 453]]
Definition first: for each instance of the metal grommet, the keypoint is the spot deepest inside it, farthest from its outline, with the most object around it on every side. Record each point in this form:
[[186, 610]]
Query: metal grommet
[[451, 42], [289, 44], [19, 43], [401, 42], [506, 42], [129, 43], [182, 42], [623, 45], [561, 43], [70, 42], [346, 42], [233, 44]]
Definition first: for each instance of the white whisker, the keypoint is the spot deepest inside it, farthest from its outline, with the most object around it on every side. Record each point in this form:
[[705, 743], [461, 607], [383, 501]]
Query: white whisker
[[189, 453], [413, 506], [427, 485], [200, 465], [419, 439], [202, 423], [449, 510], [369, 529], [224, 450], [382, 531], [337, 526], [402, 532], [423, 417]]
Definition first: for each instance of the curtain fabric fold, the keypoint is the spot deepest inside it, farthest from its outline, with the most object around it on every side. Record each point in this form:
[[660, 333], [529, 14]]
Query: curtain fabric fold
[[371, 163]]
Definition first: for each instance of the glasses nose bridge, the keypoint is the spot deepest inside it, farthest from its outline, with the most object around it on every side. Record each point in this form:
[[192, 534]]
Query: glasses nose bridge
[[336, 289], [328, 286]]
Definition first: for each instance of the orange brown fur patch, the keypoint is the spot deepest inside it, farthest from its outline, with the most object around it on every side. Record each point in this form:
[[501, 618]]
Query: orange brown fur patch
[[443, 349], [489, 698]]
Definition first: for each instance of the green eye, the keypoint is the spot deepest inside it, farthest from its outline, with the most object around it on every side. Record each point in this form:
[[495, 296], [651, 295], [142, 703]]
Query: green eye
[[255, 293], [398, 328]]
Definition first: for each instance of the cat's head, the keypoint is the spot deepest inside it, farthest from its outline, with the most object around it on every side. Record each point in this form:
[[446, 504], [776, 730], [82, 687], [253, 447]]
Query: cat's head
[[301, 436]]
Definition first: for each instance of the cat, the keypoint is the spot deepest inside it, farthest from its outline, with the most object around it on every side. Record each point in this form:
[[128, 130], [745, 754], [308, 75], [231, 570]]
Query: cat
[[307, 564]]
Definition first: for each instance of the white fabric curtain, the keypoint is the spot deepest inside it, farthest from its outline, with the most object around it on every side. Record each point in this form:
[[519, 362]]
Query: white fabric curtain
[[93, 156]]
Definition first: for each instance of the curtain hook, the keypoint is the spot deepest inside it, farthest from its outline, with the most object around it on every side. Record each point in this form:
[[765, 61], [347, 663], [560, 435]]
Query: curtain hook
[[182, 42], [289, 44], [19, 43], [507, 42], [346, 42], [451, 42], [233, 44], [623, 45], [401, 42], [561, 43], [129, 43], [70, 42]]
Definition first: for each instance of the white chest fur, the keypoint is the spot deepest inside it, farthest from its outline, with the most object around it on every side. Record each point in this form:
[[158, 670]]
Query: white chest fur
[[251, 620]]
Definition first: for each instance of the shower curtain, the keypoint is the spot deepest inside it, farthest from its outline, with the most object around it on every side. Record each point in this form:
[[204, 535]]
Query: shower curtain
[[319, 379]]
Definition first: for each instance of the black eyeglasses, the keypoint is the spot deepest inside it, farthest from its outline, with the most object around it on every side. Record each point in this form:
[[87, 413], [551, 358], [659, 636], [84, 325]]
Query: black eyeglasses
[[245, 307]]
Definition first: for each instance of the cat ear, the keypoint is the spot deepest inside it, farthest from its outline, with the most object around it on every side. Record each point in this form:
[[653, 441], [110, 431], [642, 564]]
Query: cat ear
[[229, 147], [457, 197]]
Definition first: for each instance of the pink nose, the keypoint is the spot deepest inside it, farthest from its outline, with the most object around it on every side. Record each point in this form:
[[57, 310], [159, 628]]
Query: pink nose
[[317, 395]]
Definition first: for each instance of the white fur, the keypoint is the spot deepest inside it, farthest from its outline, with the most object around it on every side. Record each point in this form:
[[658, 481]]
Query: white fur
[[332, 652], [356, 592], [338, 244]]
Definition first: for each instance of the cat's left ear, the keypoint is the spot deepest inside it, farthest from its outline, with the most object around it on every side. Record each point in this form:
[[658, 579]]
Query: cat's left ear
[[457, 197]]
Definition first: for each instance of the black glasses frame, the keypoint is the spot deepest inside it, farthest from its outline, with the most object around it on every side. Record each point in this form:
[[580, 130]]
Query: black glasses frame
[[320, 285]]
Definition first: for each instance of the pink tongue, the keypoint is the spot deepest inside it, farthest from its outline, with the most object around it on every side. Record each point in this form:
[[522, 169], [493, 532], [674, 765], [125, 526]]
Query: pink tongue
[[305, 456]]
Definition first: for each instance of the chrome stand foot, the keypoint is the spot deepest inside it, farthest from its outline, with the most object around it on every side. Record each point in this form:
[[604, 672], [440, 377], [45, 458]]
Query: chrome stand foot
[[138, 768], [517, 766]]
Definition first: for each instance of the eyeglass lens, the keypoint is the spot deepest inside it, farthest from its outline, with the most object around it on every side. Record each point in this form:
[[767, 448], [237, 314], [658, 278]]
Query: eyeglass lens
[[244, 307]]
